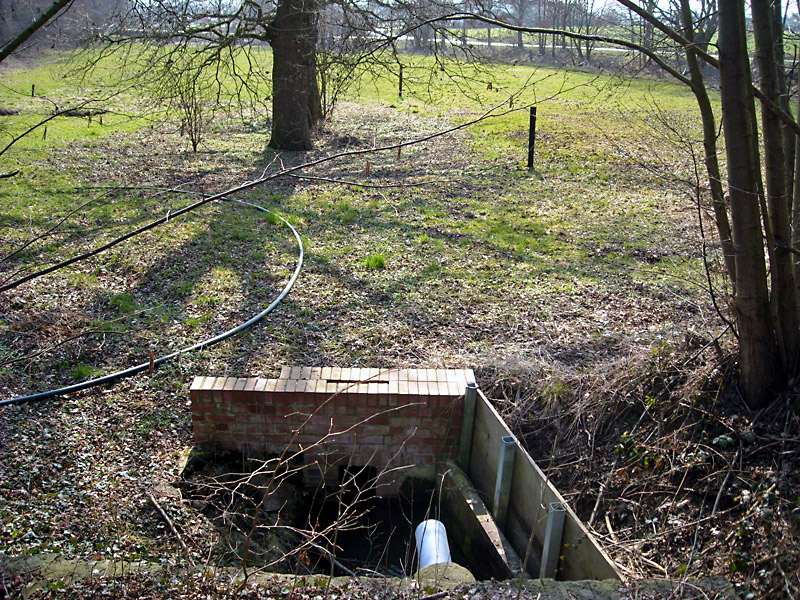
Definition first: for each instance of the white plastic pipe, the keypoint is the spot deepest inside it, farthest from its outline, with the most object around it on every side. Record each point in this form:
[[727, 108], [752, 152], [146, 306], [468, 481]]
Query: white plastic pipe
[[432, 545]]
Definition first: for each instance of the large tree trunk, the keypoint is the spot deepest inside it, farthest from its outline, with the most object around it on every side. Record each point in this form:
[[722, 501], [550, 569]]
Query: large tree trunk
[[296, 106], [782, 268], [758, 362]]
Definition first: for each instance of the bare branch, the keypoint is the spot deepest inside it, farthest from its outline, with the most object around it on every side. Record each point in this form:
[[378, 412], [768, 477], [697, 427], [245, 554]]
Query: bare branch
[[48, 15]]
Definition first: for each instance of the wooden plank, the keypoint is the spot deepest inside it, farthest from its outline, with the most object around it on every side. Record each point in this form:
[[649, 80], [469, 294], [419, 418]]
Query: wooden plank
[[473, 530], [487, 435]]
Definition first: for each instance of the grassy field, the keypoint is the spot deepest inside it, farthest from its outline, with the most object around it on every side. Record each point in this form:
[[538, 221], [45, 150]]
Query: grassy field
[[576, 289]]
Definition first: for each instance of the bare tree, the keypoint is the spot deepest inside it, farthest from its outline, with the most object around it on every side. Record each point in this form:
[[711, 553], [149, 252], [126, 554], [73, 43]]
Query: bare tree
[[219, 38]]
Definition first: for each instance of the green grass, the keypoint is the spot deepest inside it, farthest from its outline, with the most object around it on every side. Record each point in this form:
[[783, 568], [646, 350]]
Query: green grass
[[375, 261], [591, 214], [84, 371]]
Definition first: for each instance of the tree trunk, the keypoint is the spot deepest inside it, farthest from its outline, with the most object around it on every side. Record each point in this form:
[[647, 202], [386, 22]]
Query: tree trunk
[[709, 146], [296, 106], [784, 85], [796, 209], [782, 267], [758, 361]]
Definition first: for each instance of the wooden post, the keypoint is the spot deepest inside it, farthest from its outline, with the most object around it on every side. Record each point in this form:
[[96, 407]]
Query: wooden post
[[531, 137], [502, 486], [400, 85], [467, 426]]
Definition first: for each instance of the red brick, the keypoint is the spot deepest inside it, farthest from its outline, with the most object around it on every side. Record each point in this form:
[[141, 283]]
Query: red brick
[[202, 405], [371, 439], [343, 438], [218, 418], [379, 419]]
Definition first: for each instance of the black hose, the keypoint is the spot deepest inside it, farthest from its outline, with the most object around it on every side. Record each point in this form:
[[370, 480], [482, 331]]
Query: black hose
[[200, 345]]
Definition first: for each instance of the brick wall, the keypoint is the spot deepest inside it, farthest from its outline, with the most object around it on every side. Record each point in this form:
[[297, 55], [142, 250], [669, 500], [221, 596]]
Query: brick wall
[[335, 417]]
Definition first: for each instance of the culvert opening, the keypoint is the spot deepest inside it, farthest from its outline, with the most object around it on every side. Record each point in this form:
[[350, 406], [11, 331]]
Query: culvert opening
[[268, 514]]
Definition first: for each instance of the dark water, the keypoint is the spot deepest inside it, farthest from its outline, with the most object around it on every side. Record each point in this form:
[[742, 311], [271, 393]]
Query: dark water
[[382, 542]]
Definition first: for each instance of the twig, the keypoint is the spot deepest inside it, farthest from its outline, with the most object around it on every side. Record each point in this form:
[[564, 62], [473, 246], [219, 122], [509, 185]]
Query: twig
[[90, 331], [707, 269], [694, 546], [7, 175], [610, 474], [54, 227], [611, 531], [172, 527], [725, 482], [436, 595], [327, 554]]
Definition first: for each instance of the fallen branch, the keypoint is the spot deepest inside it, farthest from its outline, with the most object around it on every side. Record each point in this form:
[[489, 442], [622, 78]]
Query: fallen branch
[[172, 527], [436, 596]]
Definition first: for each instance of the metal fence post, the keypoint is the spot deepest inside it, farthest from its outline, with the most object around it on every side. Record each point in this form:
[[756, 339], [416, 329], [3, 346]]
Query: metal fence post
[[553, 535], [467, 426], [502, 486], [531, 137]]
